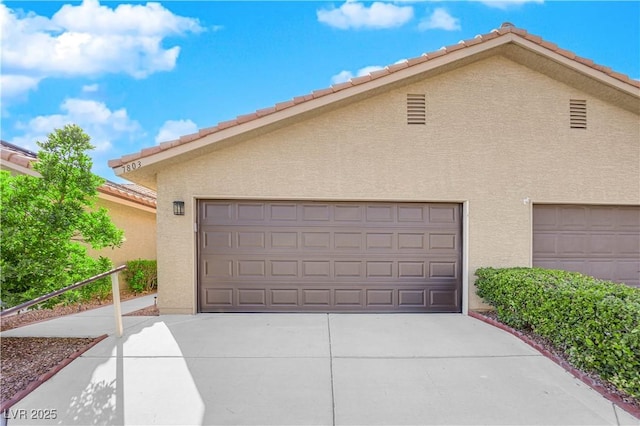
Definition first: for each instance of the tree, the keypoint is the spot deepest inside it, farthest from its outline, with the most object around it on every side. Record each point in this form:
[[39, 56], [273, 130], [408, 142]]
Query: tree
[[47, 222]]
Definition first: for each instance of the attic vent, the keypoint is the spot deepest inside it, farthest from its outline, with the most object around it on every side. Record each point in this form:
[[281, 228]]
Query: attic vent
[[416, 109], [578, 113]]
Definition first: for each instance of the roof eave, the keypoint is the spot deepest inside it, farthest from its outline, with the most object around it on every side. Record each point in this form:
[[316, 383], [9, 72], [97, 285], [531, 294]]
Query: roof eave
[[141, 167]]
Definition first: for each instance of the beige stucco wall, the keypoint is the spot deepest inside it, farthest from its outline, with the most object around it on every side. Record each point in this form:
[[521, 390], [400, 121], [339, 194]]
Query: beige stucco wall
[[497, 134], [139, 228]]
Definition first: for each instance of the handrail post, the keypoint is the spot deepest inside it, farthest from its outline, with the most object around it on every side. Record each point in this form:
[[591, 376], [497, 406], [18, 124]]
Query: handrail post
[[117, 309]]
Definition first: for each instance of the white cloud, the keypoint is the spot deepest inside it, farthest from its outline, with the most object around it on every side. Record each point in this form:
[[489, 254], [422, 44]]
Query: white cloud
[[355, 15], [101, 123], [88, 88], [12, 86], [506, 4], [440, 19], [90, 39], [173, 129]]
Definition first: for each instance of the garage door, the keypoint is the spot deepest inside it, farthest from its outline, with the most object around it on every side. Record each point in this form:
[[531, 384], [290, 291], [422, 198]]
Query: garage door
[[286, 256], [602, 241]]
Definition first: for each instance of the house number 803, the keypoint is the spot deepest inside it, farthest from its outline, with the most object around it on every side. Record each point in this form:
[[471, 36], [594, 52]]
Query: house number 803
[[131, 166]]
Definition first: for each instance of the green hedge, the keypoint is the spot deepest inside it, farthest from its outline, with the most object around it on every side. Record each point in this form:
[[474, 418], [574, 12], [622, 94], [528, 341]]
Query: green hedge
[[141, 275], [596, 323]]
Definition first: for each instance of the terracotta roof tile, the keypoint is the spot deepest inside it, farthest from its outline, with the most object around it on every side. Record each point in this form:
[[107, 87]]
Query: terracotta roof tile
[[534, 38], [265, 111], [472, 41], [417, 60], [549, 45], [247, 117], [455, 47], [283, 105], [506, 28], [519, 31], [150, 151], [437, 53], [135, 193], [190, 137], [341, 86], [208, 130], [226, 124], [566, 53], [490, 35], [399, 66], [131, 157], [380, 73], [584, 61], [322, 92], [169, 144]]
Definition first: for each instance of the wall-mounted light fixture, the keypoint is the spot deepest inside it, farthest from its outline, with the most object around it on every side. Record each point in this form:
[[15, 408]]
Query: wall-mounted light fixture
[[178, 208]]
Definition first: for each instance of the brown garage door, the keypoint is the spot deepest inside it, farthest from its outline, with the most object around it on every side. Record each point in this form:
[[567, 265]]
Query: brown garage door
[[293, 256], [602, 241]]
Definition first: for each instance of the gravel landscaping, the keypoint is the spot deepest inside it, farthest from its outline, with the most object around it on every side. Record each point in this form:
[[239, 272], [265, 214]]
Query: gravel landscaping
[[27, 360]]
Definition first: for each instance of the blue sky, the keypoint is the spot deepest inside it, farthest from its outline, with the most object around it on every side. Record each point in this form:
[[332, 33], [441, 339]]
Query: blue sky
[[134, 74]]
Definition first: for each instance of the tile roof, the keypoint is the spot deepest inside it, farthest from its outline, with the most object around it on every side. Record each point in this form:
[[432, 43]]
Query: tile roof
[[506, 28], [16, 155], [135, 193]]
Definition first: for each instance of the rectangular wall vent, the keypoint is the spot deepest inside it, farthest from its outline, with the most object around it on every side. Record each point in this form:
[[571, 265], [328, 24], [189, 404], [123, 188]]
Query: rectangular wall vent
[[416, 109], [578, 113]]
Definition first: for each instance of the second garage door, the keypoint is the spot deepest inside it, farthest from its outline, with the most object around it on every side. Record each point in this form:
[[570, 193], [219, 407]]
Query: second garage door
[[295, 256], [602, 241]]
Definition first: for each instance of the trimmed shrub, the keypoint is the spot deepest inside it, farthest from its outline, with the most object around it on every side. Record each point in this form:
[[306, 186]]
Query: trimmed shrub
[[141, 275], [596, 323]]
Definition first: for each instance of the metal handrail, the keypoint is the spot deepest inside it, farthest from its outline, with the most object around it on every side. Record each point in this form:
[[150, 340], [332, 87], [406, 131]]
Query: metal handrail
[[59, 292], [115, 289]]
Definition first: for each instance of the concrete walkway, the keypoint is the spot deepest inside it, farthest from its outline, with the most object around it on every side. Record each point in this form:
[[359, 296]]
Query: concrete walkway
[[308, 369]]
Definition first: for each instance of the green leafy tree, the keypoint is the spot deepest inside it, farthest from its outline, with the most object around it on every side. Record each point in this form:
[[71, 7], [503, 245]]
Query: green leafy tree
[[47, 222]]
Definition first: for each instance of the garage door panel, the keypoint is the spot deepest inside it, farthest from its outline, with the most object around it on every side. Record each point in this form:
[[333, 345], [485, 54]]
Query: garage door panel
[[349, 298], [629, 244], [316, 212], [411, 213], [251, 211], [284, 297], [249, 240], [323, 257], [284, 212], [380, 213], [442, 298], [218, 213], [348, 213], [284, 240], [252, 297], [602, 241], [571, 244], [629, 219], [412, 298], [348, 241], [439, 214], [628, 271]]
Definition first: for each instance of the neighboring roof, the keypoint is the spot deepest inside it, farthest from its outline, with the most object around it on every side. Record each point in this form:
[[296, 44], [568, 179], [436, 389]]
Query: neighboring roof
[[17, 156], [23, 159], [135, 193], [507, 33]]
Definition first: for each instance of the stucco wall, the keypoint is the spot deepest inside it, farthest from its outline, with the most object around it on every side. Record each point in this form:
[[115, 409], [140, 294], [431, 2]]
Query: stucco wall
[[497, 134], [140, 233]]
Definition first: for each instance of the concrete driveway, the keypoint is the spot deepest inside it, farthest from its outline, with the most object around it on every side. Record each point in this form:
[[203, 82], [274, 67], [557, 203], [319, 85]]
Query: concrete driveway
[[309, 369]]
